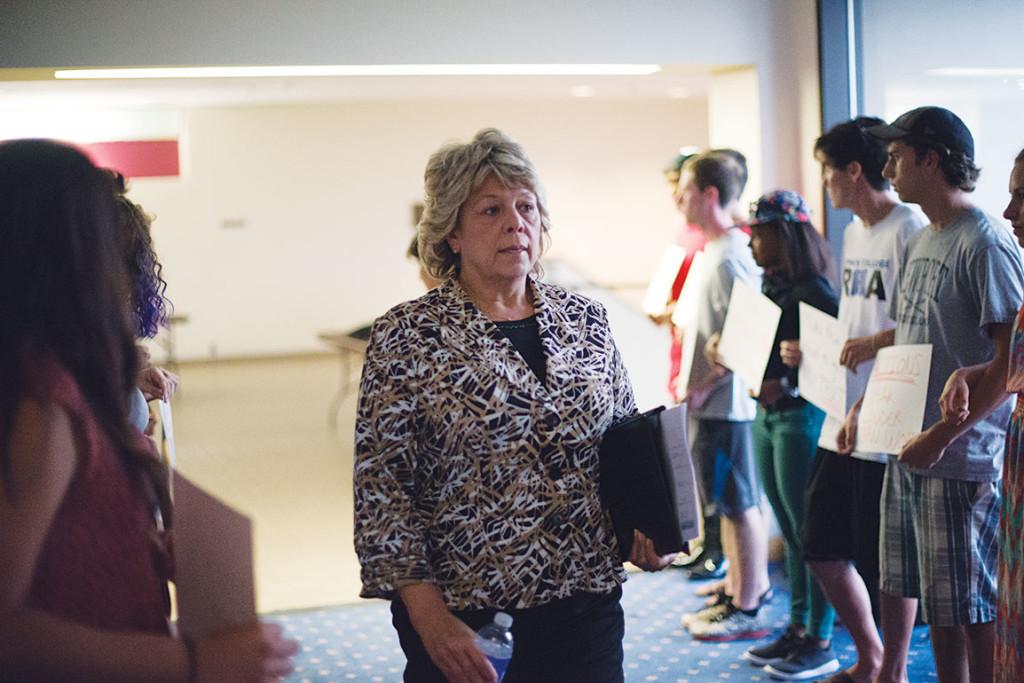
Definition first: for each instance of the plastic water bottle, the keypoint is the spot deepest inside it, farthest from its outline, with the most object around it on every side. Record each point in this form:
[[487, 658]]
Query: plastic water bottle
[[495, 641]]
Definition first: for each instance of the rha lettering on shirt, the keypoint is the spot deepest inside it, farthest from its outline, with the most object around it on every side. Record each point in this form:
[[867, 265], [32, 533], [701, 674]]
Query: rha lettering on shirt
[[865, 278]]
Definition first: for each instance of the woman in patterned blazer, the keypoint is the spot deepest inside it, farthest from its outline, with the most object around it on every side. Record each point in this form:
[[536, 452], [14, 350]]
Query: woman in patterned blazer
[[481, 410]]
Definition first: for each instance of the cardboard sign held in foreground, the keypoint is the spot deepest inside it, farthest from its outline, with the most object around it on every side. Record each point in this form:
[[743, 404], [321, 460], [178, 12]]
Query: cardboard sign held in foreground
[[213, 562], [893, 409]]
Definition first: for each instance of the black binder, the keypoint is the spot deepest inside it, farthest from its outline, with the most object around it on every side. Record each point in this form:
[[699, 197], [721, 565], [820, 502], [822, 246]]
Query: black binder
[[647, 480]]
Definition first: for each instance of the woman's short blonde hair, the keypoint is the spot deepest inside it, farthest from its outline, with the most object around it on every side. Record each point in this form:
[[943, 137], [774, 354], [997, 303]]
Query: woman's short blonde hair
[[453, 173]]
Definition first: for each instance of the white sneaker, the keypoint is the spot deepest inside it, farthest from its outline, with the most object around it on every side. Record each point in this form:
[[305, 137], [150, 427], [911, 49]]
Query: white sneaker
[[730, 623]]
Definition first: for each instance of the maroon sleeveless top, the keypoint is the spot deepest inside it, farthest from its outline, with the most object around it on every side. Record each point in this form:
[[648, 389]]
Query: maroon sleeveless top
[[98, 565]]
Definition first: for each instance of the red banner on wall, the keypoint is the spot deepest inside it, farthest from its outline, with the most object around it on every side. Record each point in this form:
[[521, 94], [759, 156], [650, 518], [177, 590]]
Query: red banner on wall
[[136, 158]]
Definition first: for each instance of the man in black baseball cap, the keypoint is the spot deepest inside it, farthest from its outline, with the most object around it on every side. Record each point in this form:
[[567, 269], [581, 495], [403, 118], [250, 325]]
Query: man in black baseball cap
[[933, 124], [958, 289], [935, 130]]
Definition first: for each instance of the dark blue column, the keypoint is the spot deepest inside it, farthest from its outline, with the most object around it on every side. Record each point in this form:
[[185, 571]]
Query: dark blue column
[[839, 47]]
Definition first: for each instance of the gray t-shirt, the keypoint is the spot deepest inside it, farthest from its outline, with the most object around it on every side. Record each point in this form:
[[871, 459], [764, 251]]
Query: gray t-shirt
[[726, 260], [952, 284]]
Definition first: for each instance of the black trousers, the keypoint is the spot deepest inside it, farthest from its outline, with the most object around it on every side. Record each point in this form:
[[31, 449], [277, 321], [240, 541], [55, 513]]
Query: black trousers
[[843, 515], [574, 640]]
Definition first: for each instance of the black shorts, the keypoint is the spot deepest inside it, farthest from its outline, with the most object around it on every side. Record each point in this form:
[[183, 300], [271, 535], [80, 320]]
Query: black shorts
[[843, 510], [578, 638], [723, 456]]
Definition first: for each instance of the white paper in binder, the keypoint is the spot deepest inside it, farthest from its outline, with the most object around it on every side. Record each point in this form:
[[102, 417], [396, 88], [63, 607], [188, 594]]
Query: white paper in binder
[[680, 468]]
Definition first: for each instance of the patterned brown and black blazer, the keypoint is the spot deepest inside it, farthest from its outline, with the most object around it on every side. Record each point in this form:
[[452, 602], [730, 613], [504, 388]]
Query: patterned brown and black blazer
[[469, 472]]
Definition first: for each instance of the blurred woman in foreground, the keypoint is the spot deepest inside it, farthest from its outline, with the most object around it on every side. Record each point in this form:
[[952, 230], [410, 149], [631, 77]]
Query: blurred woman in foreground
[[84, 570]]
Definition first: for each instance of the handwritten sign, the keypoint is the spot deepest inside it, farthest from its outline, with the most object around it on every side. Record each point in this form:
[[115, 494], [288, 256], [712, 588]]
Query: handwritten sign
[[684, 317], [829, 437], [659, 290], [822, 378], [748, 336], [894, 403]]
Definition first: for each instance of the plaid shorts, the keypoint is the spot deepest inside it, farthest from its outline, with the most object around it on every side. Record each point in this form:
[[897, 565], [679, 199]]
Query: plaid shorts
[[939, 543]]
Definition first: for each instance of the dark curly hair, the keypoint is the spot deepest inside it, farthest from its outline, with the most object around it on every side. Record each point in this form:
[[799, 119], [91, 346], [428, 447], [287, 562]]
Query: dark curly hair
[[957, 167], [847, 142], [148, 304]]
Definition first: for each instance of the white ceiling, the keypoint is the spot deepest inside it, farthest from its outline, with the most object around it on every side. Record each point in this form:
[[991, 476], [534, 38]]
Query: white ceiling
[[671, 82]]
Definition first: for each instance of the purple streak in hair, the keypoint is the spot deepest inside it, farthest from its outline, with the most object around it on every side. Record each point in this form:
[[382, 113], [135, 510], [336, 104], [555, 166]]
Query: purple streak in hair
[[150, 309]]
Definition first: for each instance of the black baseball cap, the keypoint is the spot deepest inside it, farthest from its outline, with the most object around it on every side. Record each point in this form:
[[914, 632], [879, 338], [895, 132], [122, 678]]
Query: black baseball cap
[[933, 124]]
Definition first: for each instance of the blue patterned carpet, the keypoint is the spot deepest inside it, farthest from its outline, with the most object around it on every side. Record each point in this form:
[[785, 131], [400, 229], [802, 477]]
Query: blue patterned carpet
[[357, 643]]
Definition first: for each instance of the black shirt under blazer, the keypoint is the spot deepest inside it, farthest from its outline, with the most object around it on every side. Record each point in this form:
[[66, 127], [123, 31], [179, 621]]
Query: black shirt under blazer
[[815, 291]]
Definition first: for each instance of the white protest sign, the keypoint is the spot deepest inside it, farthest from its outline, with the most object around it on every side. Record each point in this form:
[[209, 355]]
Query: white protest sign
[[684, 317], [167, 422], [893, 409], [659, 291], [822, 378], [748, 336], [829, 437]]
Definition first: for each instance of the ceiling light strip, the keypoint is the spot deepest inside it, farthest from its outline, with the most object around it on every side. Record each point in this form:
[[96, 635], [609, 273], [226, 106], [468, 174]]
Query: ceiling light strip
[[1005, 72], [362, 70]]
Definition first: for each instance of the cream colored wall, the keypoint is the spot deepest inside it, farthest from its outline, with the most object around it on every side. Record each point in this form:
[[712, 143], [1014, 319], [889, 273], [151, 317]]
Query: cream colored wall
[[337, 236], [791, 102], [323, 193], [778, 37], [734, 120]]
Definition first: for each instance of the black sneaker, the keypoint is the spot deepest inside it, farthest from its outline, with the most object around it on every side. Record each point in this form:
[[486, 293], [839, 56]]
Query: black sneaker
[[688, 560], [695, 558], [777, 650], [809, 660]]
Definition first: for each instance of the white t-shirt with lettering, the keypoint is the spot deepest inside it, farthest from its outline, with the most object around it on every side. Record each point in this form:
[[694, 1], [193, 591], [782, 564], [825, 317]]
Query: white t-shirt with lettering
[[870, 263]]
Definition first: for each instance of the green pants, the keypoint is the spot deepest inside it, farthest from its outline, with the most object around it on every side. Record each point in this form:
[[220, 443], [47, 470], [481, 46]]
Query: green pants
[[785, 442]]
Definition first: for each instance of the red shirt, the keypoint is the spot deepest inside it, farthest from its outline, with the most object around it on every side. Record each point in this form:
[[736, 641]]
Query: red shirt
[[692, 239], [98, 564]]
